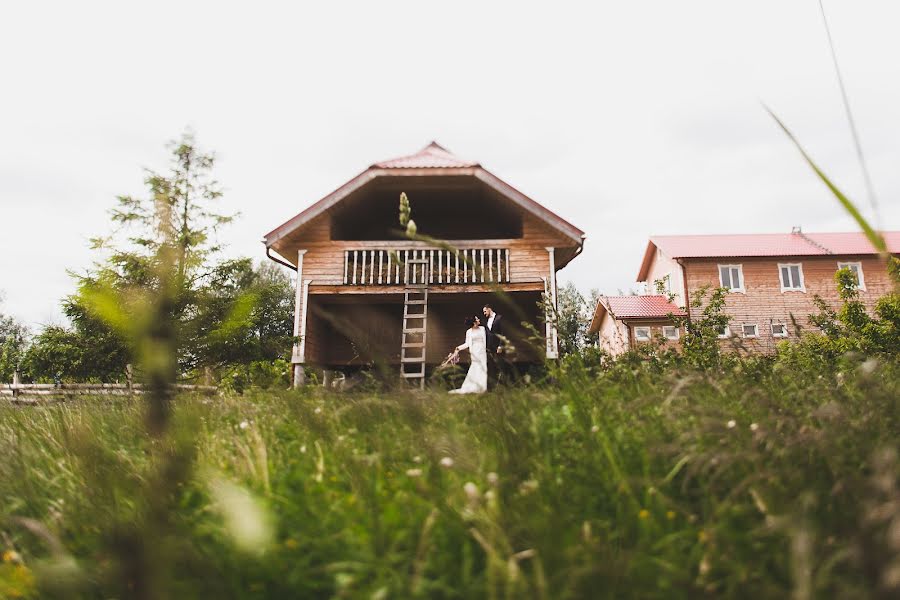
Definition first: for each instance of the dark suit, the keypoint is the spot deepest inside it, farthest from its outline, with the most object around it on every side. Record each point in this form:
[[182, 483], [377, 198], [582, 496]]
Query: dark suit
[[493, 332], [493, 341]]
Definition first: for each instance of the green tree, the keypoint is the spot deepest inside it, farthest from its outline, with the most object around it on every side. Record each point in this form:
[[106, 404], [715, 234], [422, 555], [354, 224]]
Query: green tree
[[850, 327], [573, 318], [13, 342], [176, 220], [700, 343], [247, 315]]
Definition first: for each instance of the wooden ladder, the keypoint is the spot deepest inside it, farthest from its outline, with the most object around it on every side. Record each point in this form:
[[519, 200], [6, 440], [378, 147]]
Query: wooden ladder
[[415, 322]]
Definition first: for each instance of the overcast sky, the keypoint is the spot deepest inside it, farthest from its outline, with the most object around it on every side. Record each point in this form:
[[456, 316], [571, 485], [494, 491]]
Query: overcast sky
[[626, 118]]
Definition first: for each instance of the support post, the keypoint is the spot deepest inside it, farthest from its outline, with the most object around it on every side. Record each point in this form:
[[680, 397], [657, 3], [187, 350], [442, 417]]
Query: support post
[[552, 334], [299, 324]]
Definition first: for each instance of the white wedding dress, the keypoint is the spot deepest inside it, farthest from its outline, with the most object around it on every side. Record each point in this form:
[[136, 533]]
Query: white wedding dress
[[476, 378]]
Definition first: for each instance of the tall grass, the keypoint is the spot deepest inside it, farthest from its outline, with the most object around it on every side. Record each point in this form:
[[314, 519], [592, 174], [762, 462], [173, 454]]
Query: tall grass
[[759, 482]]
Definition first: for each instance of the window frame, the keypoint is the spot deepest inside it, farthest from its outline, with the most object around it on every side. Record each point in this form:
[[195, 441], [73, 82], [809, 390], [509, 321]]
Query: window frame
[[726, 333], [755, 331], [784, 327], [860, 276], [740, 268], [641, 339], [788, 266], [674, 338]]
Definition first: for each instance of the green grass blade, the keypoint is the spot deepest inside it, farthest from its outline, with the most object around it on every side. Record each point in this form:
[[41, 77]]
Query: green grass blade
[[874, 237]]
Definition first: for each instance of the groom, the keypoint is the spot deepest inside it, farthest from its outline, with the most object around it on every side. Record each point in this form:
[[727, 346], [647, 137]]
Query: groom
[[493, 326]]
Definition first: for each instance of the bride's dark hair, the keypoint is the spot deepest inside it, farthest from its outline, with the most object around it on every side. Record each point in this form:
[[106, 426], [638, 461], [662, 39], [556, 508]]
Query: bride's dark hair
[[471, 321]]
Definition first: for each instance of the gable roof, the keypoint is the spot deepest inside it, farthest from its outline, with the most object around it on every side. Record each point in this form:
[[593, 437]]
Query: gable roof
[[433, 159], [633, 307], [763, 244], [432, 156]]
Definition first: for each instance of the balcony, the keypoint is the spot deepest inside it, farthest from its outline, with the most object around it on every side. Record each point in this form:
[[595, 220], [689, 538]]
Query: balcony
[[389, 266]]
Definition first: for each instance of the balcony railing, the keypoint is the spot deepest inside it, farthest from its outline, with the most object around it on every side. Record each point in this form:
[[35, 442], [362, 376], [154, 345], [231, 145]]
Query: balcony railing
[[387, 266]]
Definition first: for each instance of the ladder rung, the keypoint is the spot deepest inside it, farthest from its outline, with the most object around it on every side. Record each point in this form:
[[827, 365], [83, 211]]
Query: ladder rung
[[410, 359], [412, 345], [413, 375], [417, 302], [416, 330]]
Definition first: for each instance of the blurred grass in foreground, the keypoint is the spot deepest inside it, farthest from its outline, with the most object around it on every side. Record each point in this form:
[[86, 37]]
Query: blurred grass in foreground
[[761, 481]]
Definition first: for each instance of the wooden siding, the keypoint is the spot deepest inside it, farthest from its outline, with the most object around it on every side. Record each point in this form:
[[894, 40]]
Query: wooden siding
[[356, 330], [323, 263], [763, 302]]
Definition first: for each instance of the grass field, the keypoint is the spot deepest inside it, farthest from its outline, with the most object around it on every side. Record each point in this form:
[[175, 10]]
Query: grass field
[[759, 482]]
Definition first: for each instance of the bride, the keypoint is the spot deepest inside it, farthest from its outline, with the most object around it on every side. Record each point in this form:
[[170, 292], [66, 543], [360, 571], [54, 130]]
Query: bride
[[476, 378]]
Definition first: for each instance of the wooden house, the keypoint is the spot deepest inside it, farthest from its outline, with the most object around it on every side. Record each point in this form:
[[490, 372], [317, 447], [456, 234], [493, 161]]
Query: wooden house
[[361, 281], [624, 322], [771, 278]]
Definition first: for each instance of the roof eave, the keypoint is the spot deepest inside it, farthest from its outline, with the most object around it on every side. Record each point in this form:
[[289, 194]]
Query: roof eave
[[600, 311], [488, 178], [644, 271]]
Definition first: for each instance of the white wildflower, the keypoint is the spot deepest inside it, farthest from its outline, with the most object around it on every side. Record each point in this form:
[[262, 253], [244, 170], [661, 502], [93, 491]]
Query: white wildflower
[[731, 424], [303, 449], [318, 410], [492, 478], [447, 462], [244, 425], [753, 426], [472, 492], [595, 429], [528, 486], [869, 366], [414, 472], [417, 459]]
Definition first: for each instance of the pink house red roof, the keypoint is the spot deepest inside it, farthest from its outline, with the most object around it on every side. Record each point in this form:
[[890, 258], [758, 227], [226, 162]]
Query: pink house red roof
[[633, 307], [433, 159], [762, 244]]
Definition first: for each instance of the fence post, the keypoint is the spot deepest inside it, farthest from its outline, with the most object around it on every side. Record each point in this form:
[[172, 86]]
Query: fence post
[[15, 383], [129, 374]]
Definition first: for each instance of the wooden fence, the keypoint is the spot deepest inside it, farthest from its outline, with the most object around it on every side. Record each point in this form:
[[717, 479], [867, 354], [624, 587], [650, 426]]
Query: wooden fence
[[32, 393]]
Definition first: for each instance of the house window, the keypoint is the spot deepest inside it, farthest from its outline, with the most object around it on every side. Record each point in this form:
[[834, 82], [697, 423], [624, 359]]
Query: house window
[[725, 332], [791, 277], [779, 330], [642, 334], [749, 331], [731, 277], [670, 332], [856, 268]]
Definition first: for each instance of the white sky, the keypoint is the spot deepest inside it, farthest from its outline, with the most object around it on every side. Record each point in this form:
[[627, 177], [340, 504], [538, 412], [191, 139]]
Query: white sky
[[626, 118]]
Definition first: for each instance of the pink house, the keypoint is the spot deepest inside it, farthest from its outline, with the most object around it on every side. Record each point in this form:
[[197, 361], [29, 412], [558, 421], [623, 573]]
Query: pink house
[[771, 278], [623, 322]]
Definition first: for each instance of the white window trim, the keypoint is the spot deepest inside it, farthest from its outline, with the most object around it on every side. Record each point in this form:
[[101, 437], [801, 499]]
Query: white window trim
[[725, 334], [799, 266], [740, 268], [755, 328], [779, 335], [641, 339], [859, 273], [677, 332]]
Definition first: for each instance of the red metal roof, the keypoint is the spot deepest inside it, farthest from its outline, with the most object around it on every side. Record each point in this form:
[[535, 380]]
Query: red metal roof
[[763, 244], [432, 156], [634, 307], [640, 307], [770, 244]]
